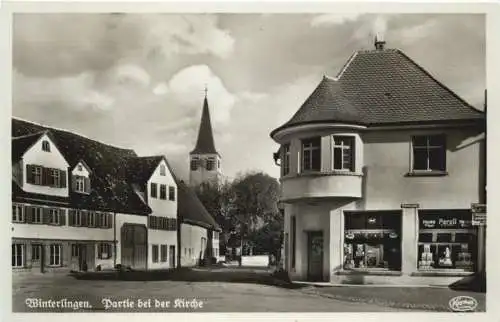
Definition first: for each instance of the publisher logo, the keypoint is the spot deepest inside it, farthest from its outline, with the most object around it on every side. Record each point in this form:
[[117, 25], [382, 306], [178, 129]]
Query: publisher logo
[[463, 304]]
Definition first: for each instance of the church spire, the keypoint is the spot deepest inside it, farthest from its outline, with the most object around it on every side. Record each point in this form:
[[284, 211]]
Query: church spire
[[205, 143]]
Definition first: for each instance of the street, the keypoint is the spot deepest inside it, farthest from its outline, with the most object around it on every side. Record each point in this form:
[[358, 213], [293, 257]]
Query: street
[[174, 296]]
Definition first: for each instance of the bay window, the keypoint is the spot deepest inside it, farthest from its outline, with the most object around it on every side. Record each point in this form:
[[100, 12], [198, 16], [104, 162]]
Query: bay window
[[311, 154], [343, 153], [286, 159]]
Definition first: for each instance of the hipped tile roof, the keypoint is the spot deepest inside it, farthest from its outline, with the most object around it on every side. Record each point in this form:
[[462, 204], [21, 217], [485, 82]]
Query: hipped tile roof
[[382, 87]]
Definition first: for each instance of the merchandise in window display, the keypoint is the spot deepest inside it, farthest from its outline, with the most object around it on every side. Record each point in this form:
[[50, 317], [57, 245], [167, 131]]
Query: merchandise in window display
[[426, 261], [446, 259], [360, 256], [349, 259], [464, 257]]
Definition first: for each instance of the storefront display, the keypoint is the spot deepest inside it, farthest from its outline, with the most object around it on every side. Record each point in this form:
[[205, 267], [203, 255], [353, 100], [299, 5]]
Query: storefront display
[[446, 240], [372, 241]]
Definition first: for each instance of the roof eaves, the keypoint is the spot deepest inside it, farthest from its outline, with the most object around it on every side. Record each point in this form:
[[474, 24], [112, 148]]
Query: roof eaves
[[344, 68]]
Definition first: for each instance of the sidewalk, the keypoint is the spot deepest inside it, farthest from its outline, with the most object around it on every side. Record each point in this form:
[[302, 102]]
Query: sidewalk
[[415, 298]]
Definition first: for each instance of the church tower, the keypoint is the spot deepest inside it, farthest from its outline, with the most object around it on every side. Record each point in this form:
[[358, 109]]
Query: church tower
[[205, 161]]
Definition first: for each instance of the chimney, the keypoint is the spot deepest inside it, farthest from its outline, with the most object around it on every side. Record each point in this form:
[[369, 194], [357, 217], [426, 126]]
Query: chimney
[[379, 42]]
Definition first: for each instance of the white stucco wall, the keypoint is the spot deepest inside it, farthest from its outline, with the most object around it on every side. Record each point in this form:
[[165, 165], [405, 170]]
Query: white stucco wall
[[191, 238], [84, 172], [53, 159]]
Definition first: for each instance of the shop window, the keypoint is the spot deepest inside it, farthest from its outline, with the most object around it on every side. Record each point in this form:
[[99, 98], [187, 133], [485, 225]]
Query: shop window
[[311, 154], [372, 241], [446, 240]]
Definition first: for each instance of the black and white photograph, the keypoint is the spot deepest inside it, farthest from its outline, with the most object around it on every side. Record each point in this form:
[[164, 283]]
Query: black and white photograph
[[197, 162]]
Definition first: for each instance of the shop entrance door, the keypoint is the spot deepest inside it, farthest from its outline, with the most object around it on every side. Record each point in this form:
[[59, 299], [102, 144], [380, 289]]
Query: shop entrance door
[[315, 256]]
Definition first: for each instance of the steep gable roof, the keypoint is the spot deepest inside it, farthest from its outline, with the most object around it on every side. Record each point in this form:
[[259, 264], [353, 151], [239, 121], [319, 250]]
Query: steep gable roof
[[191, 210], [140, 169], [381, 87], [111, 190], [21, 144], [205, 142]]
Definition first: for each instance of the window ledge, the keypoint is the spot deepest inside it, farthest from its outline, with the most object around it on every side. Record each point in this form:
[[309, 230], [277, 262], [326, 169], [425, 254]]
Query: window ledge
[[426, 174], [370, 272], [322, 173], [450, 273]]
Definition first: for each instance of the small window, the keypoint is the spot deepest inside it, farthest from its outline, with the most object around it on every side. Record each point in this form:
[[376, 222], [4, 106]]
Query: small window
[[91, 219], [81, 184], [163, 171], [311, 154], [155, 253], [75, 250], [46, 146], [104, 251], [104, 220], [55, 253], [343, 153], [429, 153], [37, 175], [163, 192], [210, 164], [195, 164], [37, 215], [286, 159], [18, 254], [154, 190], [17, 213], [171, 193], [78, 218], [54, 216]]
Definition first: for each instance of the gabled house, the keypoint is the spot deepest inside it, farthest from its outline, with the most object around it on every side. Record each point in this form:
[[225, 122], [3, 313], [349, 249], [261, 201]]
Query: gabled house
[[380, 168]]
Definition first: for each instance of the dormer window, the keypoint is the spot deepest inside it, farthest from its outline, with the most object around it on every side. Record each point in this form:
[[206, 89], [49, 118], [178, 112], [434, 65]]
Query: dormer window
[[163, 171], [195, 164], [81, 184], [311, 154], [343, 153], [45, 146]]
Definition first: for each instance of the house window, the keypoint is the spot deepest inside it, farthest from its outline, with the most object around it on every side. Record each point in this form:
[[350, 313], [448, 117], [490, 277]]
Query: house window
[[446, 240], [36, 252], [55, 252], [311, 154], [46, 146], [343, 153], [286, 159], [36, 214], [162, 170], [372, 241], [293, 234], [54, 216], [79, 184], [163, 255], [154, 190], [195, 164], [17, 213], [18, 254], [104, 251], [37, 175], [155, 253], [91, 219], [104, 220], [163, 192], [78, 218], [210, 164], [429, 153], [171, 193], [75, 250]]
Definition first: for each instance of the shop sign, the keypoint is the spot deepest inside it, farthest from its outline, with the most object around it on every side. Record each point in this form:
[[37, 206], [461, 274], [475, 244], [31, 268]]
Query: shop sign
[[478, 214], [445, 223]]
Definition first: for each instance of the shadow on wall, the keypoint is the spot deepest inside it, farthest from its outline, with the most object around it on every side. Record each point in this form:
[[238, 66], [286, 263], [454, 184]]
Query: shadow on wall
[[473, 283]]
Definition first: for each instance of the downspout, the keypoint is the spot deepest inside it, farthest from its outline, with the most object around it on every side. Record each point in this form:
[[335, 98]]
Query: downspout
[[114, 239]]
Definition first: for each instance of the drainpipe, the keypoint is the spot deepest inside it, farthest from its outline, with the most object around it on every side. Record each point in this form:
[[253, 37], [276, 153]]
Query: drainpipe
[[114, 239]]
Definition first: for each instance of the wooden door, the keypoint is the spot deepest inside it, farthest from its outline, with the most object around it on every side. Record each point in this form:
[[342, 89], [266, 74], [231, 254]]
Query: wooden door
[[315, 256], [134, 246]]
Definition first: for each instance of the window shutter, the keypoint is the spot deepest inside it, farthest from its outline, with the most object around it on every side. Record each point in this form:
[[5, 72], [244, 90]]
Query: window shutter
[[110, 220], [71, 217], [29, 174], [84, 215], [46, 215], [87, 185], [62, 217], [98, 222], [62, 178], [28, 214], [73, 183]]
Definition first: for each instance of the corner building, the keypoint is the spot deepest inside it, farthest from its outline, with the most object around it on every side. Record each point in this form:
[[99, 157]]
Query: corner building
[[380, 168]]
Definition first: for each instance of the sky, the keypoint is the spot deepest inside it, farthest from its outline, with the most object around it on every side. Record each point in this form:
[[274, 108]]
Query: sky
[[137, 80]]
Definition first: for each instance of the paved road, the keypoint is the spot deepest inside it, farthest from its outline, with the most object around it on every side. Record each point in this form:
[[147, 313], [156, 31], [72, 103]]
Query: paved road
[[214, 296]]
